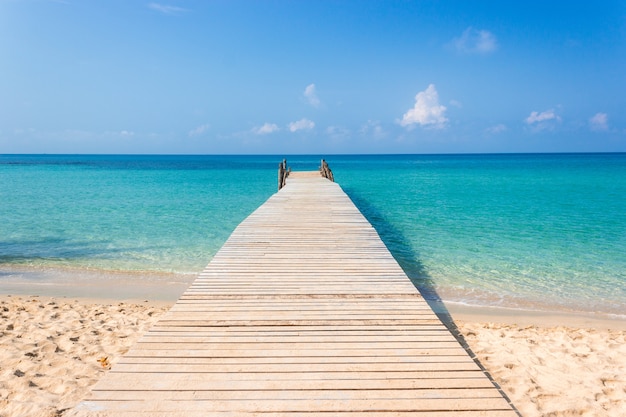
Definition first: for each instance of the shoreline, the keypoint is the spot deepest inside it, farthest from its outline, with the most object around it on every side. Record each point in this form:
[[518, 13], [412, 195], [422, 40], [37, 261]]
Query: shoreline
[[519, 317], [93, 283], [138, 286]]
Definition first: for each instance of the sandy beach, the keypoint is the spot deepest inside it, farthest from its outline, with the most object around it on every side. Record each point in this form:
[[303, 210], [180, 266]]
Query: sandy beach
[[52, 350], [552, 365]]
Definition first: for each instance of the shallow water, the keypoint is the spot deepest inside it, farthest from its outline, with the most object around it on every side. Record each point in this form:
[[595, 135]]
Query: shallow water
[[525, 231]]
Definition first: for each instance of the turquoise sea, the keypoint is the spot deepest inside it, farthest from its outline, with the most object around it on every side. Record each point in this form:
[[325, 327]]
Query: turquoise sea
[[532, 231]]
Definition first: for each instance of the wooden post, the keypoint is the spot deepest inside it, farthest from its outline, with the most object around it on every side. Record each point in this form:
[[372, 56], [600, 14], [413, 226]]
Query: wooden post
[[283, 173], [326, 172]]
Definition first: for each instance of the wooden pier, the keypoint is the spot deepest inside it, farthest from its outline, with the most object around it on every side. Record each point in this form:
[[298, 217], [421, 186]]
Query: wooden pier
[[302, 312]]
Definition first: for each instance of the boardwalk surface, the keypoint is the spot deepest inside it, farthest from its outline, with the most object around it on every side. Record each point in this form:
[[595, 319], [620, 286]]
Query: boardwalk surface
[[303, 311]]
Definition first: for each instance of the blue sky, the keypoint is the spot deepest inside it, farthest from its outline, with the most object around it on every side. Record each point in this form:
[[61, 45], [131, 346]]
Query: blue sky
[[319, 76]]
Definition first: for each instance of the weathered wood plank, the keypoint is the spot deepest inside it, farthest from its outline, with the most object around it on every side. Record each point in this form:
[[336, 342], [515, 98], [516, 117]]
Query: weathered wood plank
[[305, 405], [481, 413], [289, 353], [326, 347], [422, 378], [271, 330], [413, 388], [456, 366], [247, 391], [313, 340]]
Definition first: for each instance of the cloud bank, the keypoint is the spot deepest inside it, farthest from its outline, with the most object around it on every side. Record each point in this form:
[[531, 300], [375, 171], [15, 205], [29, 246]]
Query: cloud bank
[[427, 111]]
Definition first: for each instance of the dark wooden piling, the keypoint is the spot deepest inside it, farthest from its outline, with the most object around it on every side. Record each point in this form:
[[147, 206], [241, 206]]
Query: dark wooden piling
[[283, 173], [326, 172]]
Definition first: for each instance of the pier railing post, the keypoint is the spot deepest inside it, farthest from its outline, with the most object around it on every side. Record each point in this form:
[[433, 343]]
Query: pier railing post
[[326, 172], [283, 173]]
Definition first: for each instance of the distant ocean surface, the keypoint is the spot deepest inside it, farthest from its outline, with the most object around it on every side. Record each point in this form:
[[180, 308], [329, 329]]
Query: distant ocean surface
[[544, 231]]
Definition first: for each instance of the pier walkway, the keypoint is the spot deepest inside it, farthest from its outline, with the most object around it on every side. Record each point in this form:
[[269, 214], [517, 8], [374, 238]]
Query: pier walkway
[[302, 312]]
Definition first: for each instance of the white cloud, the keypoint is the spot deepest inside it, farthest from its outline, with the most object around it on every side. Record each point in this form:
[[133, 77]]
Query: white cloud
[[302, 124], [374, 129], [127, 133], [473, 41], [311, 95], [200, 130], [599, 122], [536, 117], [494, 130], [427, 111], [545, 120], [338, 132], [166, 9], [266, 129]]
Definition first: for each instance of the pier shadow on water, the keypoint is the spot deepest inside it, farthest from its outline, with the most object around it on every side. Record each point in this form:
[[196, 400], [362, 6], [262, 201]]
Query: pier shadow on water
[[409, 261], [405, 255]]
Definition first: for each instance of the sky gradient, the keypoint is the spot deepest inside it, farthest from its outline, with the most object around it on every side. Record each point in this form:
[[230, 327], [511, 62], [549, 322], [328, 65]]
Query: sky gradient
[[321, 77]]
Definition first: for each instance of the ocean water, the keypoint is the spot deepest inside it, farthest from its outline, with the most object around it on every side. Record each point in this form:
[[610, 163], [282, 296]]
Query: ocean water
[[545, 232]]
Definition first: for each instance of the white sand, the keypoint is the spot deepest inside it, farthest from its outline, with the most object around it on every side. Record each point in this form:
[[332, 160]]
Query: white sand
[[554, 371], [50, 351]]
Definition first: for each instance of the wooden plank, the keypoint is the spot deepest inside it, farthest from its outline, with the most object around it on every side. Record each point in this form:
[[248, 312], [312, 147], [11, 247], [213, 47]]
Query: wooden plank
[[425, 363], [270, 347], [455, 368], [330, 339], [87, 406], [413, 388], [313, 390], [419, 380], [288, 353], [270, 364], [304, 405], [399, 330], [323, 305], [332, 329], [293, 315]]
